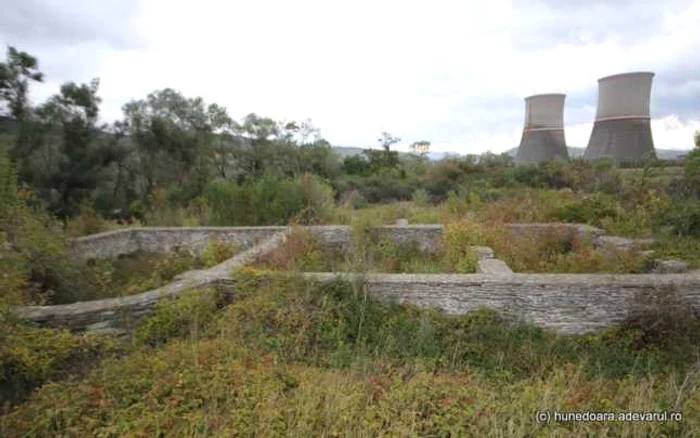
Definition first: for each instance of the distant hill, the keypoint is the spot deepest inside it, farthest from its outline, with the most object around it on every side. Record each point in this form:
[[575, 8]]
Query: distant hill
[[574, 152], [348, 151]]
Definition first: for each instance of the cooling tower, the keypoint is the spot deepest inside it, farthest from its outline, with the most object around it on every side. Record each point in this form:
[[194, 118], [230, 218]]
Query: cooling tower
[[622, 129], [543, 135]]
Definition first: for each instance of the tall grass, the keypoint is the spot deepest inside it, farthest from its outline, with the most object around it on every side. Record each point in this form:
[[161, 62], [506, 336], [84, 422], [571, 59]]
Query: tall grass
[[367, 251]]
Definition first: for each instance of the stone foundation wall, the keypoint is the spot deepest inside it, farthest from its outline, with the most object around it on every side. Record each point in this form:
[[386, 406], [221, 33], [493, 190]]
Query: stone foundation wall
[[568, 303], [119, 313], [195, 239], [155, 239], [429, 237]]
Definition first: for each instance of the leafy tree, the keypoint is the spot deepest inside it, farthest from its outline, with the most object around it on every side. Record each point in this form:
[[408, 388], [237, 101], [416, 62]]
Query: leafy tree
[[420, 147], [222, 139], [172, 135], [73, 146], [391, 159], [15, 75], [355, 165], [385, 157]]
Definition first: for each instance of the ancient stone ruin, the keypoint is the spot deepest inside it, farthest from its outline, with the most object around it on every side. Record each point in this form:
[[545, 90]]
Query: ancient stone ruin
[[567, 303]]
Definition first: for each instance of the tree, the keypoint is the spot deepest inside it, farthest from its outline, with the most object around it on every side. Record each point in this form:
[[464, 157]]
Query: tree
[[15, 75], [420, 147], [71, 139], [387, 157], [260, 131], [171, 134], [387, 140], [222, 139], [285, 148]]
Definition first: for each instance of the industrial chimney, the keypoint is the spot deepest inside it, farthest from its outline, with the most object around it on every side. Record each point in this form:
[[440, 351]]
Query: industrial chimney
[[543, 135], [622, 129]]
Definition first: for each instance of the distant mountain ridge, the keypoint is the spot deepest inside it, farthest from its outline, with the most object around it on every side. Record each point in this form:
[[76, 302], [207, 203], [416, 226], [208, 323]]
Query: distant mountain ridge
[[574, 152]]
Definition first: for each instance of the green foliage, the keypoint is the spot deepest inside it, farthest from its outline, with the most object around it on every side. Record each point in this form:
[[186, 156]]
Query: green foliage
[[270, 201], [408, 257], [457, 242], [8, 183], [353, 200], [30, 356], [678, 247], [420, 197], [356, 165], [36, 239], [318, 200], [188, 314], [680, 217], [300, 251], [216, 252], [69, 128], [286, 346], [87, 221], [15, 75], [367, 252], [589, 210]]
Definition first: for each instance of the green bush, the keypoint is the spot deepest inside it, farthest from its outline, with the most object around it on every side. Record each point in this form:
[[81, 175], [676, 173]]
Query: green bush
[[188, 314], [228, 203], [216, 252], [38, 241], [274, 201], [590, 210], [269, 200], [30, 356], [353, 199], [457, 242], [420, 197], [680, 216], [318, 200]]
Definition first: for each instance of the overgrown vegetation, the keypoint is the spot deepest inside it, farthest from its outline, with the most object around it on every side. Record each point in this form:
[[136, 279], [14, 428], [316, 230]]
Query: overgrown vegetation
[[293, 358], [174, 160], [139, 272], [552, 249], [366, 251]]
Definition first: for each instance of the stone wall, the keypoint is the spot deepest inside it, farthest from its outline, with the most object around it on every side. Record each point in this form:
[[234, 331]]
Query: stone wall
[[339, 237], [429, 237], [156, 239], [195, 239], [106, 245], [567, 303], [119, 313]]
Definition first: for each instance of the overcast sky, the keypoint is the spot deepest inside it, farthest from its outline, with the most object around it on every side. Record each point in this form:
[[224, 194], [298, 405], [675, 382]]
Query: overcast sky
[[454, 73]]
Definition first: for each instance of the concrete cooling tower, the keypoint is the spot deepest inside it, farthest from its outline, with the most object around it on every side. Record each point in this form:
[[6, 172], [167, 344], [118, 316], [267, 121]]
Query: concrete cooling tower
[[543, 135], [622, 129]]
